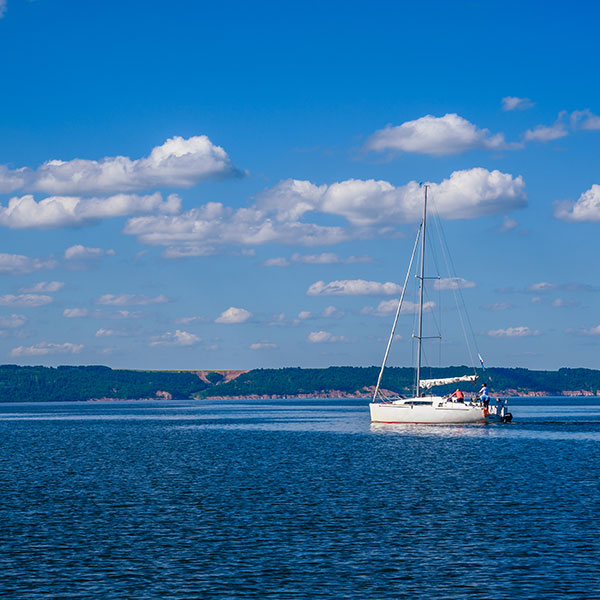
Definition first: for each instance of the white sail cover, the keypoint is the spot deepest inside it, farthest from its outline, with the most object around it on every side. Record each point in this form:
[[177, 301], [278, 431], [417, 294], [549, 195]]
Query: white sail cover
[[429, 383]]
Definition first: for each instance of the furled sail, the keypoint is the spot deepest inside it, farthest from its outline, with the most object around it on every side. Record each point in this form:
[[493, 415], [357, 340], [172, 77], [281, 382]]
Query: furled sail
[[429, 383]]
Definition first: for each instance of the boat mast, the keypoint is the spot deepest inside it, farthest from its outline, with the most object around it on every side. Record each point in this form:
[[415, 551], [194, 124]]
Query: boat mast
[[422, 282]]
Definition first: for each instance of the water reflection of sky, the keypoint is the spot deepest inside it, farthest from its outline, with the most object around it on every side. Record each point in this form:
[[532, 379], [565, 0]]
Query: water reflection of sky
[[539, 418]]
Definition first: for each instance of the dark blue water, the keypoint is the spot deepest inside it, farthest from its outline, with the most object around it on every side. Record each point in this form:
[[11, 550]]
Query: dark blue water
[[296, 499]]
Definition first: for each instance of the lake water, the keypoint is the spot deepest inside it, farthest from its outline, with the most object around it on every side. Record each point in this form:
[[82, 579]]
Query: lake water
[[296, 499]]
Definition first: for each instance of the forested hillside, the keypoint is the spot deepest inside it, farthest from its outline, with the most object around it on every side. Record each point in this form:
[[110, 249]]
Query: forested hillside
[[60, 384]]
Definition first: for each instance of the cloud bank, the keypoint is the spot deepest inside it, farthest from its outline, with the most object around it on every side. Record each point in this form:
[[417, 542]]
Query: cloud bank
[[179, 162]]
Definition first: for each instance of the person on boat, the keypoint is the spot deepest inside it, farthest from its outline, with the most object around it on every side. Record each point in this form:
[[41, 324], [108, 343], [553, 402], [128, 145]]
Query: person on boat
[[460, 397], [483, 394]]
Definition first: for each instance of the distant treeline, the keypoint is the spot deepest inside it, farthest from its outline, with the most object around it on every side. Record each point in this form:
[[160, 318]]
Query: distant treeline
[[352, 380], [64, 384], [60, 384]]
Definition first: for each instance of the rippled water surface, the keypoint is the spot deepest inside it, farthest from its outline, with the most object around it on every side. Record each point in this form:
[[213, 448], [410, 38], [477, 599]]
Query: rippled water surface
[[296, 499]]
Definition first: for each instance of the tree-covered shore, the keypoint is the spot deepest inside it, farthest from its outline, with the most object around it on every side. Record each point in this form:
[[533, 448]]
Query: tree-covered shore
[[83, 383]]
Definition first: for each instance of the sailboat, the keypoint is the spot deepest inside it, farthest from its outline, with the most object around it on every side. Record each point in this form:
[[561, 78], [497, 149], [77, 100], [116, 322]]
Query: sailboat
[[422, 407]]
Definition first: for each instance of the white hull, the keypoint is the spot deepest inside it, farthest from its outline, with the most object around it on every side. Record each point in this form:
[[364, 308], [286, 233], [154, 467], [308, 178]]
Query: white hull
[[427, 409]]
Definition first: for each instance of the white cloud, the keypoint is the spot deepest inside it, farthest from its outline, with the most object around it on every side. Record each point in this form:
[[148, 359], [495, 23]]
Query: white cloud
[[188, 320], [2, 8], [353, 287], [514, 332], [507, 224], [587, 207], [263, 346], [545, 133], [234, 315], [364, 203], [592, 331], [536, 300], [388, 307], [176, 338], [18, 263], [516, 103], [13, 321], [75, 313], [276, 262], [322, 337], [331, 312], [44, 287], [79, 252], [370, 207], [436, 136], [68, 211], [110, 333], [130, 299], [28, 300], [563, 303], [205, 230], [304, 314], [178, 162], [585, 119], [542, 286], [452, 283], [44, 348]]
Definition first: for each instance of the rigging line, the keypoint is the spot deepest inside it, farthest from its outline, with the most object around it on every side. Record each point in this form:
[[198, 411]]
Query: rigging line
[[389, 344], [452, 273]]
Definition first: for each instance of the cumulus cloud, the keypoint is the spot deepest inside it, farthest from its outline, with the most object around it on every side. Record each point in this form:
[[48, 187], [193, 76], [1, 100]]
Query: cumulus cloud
[[323, 337], [18, 263], [27, 300], [353, 287], [452, 283], [44, 348], [77, 313], [130, 299], [332, 312], [585, 119], [13, 321], [388, 307], [547, 133], [587, 207], [69, 211], [464, 195], [234, 315], [79, 252], [436, 136], [516, 103], [176, 338], [369, 207], [179, 162], [564, 303], [303, 315], [514, 332], [42, 287], [206, 229], [263, 346]]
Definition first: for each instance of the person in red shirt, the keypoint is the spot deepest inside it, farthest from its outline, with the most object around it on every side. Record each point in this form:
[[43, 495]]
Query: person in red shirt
[[460, 397]]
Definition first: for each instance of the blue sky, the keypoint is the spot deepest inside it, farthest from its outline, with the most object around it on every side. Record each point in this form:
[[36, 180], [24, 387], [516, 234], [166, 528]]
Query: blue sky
[[192, 186]]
